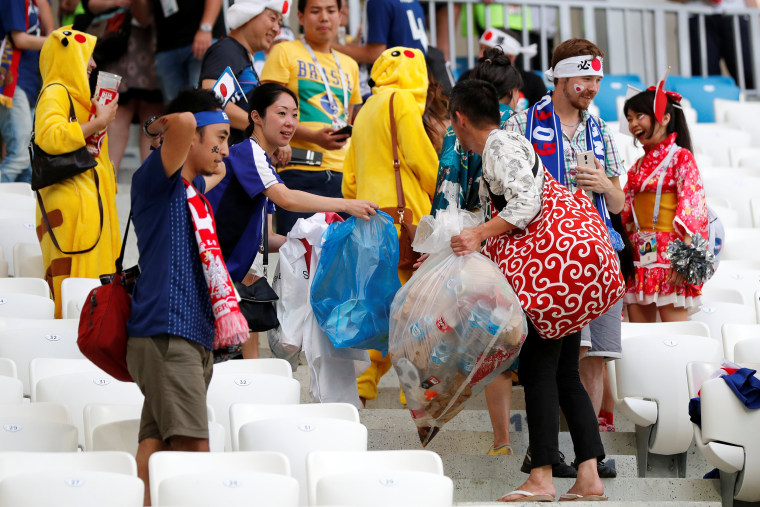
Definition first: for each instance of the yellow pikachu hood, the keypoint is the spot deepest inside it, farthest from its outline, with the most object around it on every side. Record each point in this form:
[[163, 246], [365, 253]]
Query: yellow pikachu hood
[[401, 69], [64, 58]]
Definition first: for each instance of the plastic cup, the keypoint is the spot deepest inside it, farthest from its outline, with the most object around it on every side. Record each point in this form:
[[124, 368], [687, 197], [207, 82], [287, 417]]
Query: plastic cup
[[107, 87]]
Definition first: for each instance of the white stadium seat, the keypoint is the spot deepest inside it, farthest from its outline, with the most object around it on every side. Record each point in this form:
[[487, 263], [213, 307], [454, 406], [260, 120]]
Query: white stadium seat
[[243, 413], [71, 489], [168, 464], [297, 436], [651, 384], [321, 464]]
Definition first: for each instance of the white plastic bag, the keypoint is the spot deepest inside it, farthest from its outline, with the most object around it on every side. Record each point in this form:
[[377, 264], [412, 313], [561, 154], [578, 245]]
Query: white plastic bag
[[455, 325]]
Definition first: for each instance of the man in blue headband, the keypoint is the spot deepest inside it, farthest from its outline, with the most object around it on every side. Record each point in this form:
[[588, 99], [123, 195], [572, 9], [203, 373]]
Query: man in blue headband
[[172, 324]]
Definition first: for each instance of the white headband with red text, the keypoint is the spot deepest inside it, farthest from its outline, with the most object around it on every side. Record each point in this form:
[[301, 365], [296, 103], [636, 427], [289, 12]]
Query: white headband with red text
[[584, 65]]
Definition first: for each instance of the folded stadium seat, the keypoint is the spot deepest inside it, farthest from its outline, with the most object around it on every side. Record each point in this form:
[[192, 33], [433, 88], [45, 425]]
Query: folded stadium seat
[[27, 258], [267, 365], [226, 469], [320, 464], [744, 156], [8, 367], [74, 292], [16, 227], [17, 202], [228, 387], [25, 428], [712, 172], [11, 388], [747, 351], [715, 313], [741, 243], [702, 91], [728, 438], [723, 295], [115, 427], [65, 489], [12, 463], [745, 118], [716, 139], [743, 276], [76, 383], [25, 339], [297, 436], [34, 286], [3, 265], [19, 188], [729, 216], [612, 87], [651, 383], [378, 488], [628, 329], [235, 489], [721, 108], [243, 413], [735, 333], [27, 306], [754, 207], [738, 190]]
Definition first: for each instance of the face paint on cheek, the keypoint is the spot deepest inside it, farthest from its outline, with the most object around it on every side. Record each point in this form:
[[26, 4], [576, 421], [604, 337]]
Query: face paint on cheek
[[579, 88], [215, 149]]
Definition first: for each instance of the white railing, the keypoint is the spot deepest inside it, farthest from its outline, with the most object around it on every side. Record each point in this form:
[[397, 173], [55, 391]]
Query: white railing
[[638, 38]]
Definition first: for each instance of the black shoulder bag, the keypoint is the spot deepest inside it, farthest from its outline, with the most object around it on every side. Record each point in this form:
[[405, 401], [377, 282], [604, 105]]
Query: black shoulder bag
[[50, 169]]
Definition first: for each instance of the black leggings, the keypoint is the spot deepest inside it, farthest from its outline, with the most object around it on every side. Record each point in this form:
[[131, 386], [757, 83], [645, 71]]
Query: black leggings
[[549, 374]]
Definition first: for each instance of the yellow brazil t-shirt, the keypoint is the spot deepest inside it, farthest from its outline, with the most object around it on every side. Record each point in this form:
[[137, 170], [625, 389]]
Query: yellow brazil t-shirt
[[291, 64]]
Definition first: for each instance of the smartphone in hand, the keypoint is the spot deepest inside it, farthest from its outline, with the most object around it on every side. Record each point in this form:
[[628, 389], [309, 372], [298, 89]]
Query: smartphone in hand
[[586, 159], [348, 129]]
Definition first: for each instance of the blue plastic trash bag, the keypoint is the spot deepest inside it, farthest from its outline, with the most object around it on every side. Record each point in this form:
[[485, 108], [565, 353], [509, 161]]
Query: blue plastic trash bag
[[356, 279]]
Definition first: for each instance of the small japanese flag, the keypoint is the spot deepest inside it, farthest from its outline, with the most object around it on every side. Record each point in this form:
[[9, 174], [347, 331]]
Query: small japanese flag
[[227, 88]]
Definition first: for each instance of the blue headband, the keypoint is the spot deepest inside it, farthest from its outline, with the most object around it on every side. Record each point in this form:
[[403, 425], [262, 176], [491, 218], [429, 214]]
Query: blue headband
[[210, 117]]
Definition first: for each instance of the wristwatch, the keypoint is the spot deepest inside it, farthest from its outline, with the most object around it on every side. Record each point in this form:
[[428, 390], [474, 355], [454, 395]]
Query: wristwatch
[[147, 124], [205, 27]]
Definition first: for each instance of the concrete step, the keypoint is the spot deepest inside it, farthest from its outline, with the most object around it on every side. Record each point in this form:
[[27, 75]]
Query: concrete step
[[467, 419], [653, 491], [461, 466], [478, 442]]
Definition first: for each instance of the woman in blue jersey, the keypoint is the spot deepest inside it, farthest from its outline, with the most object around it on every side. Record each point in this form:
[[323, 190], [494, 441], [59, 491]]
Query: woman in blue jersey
[[241, 198]]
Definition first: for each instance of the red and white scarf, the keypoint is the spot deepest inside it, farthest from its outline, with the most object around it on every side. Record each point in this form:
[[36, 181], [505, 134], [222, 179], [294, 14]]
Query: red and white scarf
[[230, 327]]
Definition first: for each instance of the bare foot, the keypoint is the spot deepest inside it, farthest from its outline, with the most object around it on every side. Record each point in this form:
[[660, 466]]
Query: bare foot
[[539, 483], [588, 482]]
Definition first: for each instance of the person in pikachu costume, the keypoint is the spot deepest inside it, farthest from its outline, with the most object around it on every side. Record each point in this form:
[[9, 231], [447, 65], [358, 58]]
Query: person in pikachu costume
[[72, 207], [368, 168]]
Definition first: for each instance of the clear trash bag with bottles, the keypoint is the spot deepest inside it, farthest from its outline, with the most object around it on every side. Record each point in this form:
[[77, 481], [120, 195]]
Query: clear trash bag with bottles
[[455, 325]]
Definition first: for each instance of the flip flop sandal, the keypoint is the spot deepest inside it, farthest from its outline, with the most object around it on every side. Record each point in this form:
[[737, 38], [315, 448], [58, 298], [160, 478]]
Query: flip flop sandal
[[574, 497], [527, 496]]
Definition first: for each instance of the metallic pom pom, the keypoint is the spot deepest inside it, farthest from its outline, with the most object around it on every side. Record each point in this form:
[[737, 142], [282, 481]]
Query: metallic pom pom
[[694, 261]]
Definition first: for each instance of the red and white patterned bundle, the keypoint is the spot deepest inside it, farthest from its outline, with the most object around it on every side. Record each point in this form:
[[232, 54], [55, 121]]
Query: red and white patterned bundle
[[562, 266]]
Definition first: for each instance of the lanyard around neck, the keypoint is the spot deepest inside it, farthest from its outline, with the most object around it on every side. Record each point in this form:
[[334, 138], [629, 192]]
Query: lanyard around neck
[[662, 169], [323, 74]]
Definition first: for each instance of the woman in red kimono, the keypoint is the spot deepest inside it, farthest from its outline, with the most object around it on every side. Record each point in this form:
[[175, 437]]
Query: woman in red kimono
[[664, 201]]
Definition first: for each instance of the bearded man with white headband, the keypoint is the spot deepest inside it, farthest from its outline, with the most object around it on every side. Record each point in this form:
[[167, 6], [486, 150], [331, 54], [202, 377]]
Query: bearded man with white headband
[[533, 87], [254, 25], [560, 128]]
